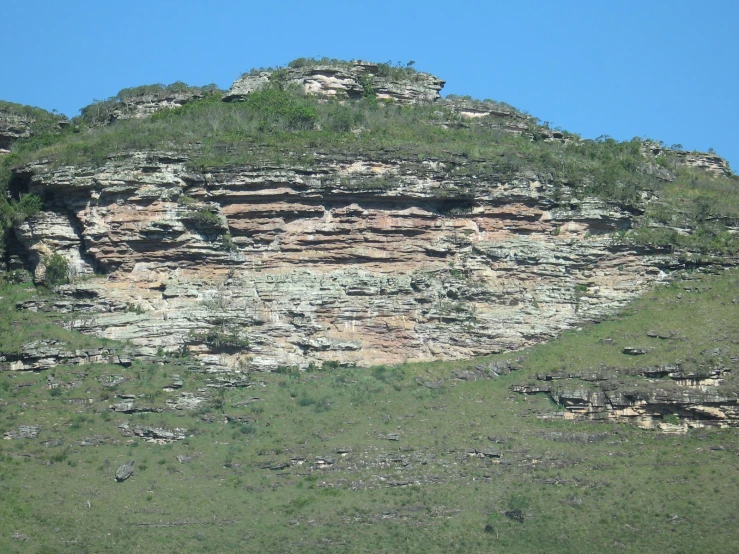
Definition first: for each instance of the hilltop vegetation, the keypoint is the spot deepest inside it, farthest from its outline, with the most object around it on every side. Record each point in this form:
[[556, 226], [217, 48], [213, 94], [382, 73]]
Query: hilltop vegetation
[[689, 209]]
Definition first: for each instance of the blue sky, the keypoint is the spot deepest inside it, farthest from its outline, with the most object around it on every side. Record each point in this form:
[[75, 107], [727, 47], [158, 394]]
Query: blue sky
[[651, 68]]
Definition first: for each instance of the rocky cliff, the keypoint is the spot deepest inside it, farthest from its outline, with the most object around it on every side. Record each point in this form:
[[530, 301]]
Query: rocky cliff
[[369, 260], [346, 81], [374, 256], [19, 122], [12, 128], [693, 398]]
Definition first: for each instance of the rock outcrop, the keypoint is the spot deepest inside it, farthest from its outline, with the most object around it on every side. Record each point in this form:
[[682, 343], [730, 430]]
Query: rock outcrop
[[705, 161], [21, 122], [294, 260], [669, 398], [145, 105], [351, 260], [12, 128], [141, 102], [346, 80], [45, 354], [124, 472]]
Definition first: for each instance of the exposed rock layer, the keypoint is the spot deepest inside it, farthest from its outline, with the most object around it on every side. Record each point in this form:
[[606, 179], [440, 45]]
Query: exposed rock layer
[[370, 260], [19, 122], [12, 128], [343, 81], [686, 399], [144, 105]]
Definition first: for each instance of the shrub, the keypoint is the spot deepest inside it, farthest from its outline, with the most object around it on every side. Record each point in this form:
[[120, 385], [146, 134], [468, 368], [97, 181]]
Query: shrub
[[672, 419], [227, 243], [185, 200], [57, 270], [387, 374], [281, 109], [330, 365], [14, 212], [222, 339], [206, 217]]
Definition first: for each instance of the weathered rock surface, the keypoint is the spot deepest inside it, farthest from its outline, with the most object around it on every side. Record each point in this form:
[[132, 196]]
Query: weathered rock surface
[[369, 260], [686, 399], [12, 128], [124, 472], [494, 115], [45, 354], [159, 434], [128, 406], [706, 161], [144, 105], [23, 432], [347, 80], [19, 122]]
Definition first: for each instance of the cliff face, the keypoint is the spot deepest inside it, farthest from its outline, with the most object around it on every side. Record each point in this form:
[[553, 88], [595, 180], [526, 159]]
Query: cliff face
[[19, 122], [357, 260], [12, 128], [698, 398], [147, 104], [345, 81]]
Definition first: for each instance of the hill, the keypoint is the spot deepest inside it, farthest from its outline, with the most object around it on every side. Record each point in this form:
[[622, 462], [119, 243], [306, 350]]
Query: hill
[[330, 298]]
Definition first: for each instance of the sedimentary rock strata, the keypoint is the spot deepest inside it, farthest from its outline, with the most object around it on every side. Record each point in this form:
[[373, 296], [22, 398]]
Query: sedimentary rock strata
[[355, 260], [686, 399], [344, 81]]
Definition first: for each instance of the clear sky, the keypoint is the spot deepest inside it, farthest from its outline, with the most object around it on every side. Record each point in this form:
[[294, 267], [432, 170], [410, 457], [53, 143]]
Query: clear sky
[[663, 69]]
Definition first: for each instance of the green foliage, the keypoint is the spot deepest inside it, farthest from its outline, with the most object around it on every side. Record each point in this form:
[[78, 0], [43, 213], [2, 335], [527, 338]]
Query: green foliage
[[389, 374], [672, 419], [14, 212], [101, 111], [206, 218], [329, 365], [221, 339], [368, 89], [57, 270], [227, 243], [134, 309], [277, 109], [187, 201]]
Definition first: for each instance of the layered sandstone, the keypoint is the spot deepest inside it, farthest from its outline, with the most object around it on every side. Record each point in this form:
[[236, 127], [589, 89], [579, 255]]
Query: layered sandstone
[[145, 105], [668, 397], [19, 122], [358, 260], [12, 127], [704, 161], [346, 80]]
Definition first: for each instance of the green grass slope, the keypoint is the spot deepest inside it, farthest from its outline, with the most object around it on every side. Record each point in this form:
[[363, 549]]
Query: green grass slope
[[382, 459]]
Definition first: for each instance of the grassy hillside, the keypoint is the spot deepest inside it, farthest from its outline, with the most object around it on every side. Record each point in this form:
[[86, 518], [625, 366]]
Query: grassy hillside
[[408, 458], [383, 459]]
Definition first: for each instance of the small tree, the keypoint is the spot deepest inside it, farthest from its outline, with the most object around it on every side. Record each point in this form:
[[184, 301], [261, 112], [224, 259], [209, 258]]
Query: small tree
[[57, 270]]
